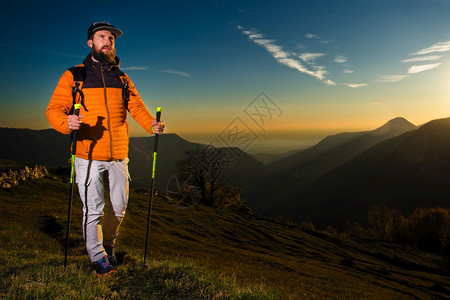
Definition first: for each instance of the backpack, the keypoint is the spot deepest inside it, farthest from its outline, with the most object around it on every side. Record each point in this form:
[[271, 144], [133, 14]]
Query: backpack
[[79, 75]]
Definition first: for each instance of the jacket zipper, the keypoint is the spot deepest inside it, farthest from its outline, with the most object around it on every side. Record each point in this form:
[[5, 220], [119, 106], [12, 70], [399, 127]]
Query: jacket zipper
[[107, 114]]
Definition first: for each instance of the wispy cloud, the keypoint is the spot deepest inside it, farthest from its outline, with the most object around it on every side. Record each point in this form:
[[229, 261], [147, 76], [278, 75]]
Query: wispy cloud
[[66, 55], [28, 49], [316, 37], [391, 78], [348, 71], [175, 72], [422, 58], [355, 85], [417, 69], [312, 36], [340, 59], [139, 68], [168, 71], [329, 82], [14, 47], [438, 47], [310, 57], [288, 58]]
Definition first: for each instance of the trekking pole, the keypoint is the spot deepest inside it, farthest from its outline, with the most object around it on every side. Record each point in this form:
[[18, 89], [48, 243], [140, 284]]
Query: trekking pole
[[69, 212], [152, 186]]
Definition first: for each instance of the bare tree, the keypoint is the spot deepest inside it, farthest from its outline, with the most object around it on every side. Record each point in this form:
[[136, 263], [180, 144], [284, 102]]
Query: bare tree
[[208, 167], [380, 219], [429, 228], [399, 226]]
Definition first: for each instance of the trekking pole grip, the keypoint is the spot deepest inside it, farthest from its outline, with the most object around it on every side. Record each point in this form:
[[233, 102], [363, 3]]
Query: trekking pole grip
[[77, 109], [74, 140], [76, 112], [158, 114]]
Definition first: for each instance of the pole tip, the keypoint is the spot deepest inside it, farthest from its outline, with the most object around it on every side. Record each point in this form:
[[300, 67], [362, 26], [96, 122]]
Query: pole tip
[[159, 109]]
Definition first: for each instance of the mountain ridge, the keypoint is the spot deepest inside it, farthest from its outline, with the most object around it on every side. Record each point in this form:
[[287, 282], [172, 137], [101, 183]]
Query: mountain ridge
[[408, 171], [270, 193], [51, 148], [303, 168]]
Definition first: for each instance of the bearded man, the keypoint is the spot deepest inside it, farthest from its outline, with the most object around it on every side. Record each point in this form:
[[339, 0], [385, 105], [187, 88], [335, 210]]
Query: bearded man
[[105, 94]]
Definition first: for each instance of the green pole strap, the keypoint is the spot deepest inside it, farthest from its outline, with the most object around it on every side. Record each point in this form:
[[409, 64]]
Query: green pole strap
[[154, 165], [77, 106], [155, 150], [72, 169]]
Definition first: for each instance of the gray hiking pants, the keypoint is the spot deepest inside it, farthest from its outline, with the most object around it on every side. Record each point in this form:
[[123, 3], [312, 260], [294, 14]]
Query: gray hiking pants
[[90, 179]]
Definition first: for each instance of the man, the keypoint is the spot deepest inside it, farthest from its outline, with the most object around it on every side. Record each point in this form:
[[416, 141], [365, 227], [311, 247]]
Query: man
[[106, 94]]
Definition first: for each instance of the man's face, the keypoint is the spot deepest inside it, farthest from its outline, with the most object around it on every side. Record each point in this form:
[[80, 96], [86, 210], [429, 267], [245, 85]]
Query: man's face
[[103, 46]]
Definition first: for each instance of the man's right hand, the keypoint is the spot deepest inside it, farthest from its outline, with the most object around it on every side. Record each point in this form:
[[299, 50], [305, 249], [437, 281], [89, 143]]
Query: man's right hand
[[74, 122]]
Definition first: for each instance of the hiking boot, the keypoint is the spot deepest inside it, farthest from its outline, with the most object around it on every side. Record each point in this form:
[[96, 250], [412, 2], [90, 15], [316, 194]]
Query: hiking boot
[[111, 254], [103, 267]]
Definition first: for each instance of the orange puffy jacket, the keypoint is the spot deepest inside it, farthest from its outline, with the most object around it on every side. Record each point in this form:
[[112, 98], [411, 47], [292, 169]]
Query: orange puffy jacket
[[103, 134]]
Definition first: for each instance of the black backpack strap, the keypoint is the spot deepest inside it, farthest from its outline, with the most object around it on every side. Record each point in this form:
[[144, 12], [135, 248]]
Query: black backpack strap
[[79, 75], [125, 87]]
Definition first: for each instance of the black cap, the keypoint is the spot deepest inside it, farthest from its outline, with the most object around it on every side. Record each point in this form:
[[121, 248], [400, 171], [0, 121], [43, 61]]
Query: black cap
[[96, 26]]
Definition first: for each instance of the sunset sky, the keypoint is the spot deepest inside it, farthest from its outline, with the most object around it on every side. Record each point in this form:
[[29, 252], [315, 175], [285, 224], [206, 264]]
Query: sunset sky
[[261, 75]]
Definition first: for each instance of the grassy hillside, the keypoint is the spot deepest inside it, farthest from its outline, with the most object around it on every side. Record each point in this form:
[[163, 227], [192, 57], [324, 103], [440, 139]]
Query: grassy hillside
[[199, 252], [50, 147]]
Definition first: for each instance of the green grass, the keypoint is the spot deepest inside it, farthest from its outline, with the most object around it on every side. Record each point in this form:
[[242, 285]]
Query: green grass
[[30, 268], [199, 253], [42, 277]]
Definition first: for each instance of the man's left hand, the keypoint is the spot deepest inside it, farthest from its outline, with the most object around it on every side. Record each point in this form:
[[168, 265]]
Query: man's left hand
[[158, 127]]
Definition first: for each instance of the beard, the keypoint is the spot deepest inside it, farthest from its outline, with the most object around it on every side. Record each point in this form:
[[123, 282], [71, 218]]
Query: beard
[[105, 58]]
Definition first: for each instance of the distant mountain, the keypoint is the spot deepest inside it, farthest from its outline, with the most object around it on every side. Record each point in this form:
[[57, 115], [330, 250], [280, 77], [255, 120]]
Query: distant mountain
[[171, 149], [267, 158], [44, 147], [335, 157], [405, 172], [334, 150], [50, 148], [287, 176], [325, 145]]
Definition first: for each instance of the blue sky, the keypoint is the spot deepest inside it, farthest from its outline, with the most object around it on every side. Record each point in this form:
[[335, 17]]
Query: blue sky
[[255, 74]]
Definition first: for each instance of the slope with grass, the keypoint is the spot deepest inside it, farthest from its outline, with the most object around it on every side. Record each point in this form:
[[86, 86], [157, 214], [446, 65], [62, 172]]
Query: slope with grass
[[199, 252]]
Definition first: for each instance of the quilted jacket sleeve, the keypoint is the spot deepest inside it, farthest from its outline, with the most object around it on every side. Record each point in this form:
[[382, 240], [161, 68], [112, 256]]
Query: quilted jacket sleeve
[[137, 109], [60, 104]]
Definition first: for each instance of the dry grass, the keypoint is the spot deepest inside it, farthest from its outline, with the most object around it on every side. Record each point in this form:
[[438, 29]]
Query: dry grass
[[199, 252]]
